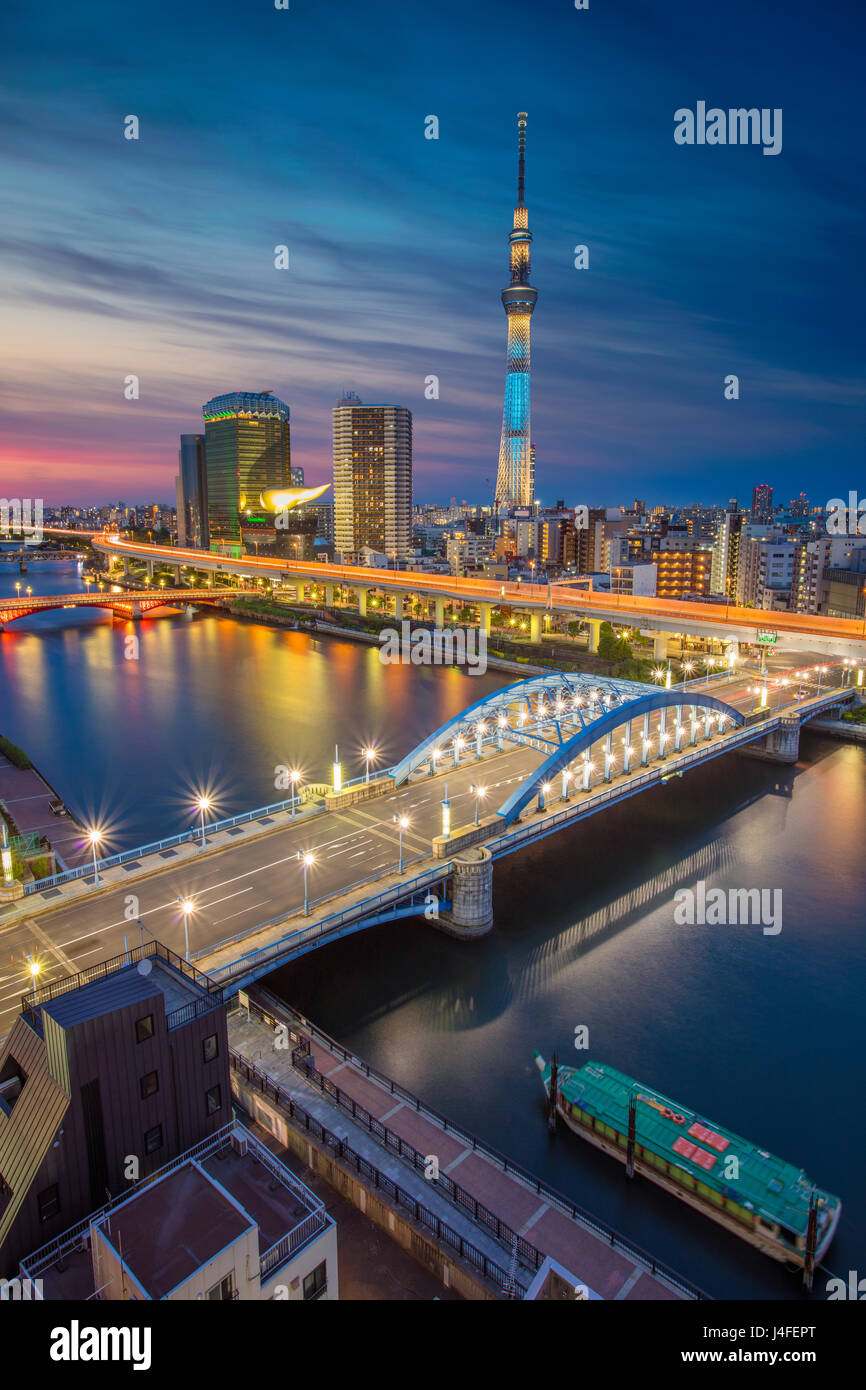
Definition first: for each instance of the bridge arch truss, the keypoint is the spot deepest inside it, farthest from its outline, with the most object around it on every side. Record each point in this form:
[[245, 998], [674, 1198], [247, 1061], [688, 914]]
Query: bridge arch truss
[[562, 716]]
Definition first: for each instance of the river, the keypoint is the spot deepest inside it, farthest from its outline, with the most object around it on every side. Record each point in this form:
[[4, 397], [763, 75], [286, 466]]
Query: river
[[760, 1032]]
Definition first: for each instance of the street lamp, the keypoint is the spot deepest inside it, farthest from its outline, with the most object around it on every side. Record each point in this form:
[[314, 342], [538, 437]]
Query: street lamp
[[307, 859], [187, 906], [687, 666], [33, 968], [94, 836], [822, 671], [370, 755], [480, 793], [294, 778], [403, 823], [203, 805]]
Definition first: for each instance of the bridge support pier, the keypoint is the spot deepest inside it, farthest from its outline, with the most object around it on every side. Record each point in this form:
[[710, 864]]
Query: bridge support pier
[[484, 611], [149, 569], [471, 912], [593, 627], [362, 603], [535, 627], [126, 564], [329, 595], [136, 610], [439, 606], [660, 646], [399, 600], [781, 745]]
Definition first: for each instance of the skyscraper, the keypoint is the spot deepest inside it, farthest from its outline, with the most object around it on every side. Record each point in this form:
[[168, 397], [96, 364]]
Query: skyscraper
[[762, 502], [191, 492], [248, 451], [515, 480], [372, 478]]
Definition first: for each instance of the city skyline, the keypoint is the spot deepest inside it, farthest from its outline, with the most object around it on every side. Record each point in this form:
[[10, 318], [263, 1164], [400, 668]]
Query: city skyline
[[156, 257]]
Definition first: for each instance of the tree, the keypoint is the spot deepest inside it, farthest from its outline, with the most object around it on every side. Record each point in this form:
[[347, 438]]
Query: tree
[[610, 646]]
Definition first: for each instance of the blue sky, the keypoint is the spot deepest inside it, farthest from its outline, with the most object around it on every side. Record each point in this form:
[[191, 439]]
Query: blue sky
[[306, 128]]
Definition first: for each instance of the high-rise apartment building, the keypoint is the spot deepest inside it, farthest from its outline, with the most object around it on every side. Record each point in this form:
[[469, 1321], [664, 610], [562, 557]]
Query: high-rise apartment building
[[191, 492], [726, 553], [372, 478], [515, 478], [248, 452], [762, 502]]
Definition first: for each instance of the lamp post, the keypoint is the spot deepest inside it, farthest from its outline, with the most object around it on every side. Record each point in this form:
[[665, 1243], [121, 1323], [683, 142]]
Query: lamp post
[[33, 968], [687, 666], [187, 906], [822, 671], [294, 778], [402, 822], [480, 793], [307, 859], [203, 804], [370, 755], [446, 816], [6, 853], [337, 771], [94, 836]]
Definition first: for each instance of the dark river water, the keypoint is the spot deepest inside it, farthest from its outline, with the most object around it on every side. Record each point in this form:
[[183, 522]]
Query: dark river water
[[759, 1032]]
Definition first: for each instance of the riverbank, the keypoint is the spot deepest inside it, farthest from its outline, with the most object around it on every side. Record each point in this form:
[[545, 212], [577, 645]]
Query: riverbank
[[26, 798]]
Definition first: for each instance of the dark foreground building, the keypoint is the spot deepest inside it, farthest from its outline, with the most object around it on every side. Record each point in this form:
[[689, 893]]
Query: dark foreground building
[[104, 1078]]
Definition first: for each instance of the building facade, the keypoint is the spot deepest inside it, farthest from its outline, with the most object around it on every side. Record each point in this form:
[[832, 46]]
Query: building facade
[[191, 492], [248, 451], [372, 478]]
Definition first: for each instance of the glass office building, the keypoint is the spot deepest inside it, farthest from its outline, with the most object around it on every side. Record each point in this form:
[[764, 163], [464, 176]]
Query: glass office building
[[248, 452]]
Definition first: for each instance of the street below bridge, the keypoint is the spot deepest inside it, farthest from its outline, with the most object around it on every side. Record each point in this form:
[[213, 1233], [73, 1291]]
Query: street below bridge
[[257, 878]]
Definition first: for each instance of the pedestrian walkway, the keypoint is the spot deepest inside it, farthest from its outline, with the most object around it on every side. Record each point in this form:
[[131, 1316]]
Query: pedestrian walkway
[[545, 1223]]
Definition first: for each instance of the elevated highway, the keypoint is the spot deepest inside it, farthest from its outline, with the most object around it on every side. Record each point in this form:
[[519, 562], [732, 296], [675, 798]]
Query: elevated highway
[[726, 623]]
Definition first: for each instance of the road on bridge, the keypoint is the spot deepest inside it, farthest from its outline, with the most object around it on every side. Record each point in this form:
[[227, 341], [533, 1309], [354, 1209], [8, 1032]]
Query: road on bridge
[[258, 879]]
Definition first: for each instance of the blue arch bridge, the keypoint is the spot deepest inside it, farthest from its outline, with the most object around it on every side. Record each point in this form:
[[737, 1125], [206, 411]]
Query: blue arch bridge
[[590, 741]]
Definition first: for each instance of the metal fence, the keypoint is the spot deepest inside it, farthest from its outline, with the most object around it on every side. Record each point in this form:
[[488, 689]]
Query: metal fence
[[303, 1063], [380, 1181]]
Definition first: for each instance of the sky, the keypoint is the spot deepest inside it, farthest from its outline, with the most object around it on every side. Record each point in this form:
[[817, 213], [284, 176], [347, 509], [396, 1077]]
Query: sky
[[305, 127]]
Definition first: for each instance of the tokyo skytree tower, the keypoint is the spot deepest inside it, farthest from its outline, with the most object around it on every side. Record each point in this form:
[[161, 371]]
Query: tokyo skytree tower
[[515, 480]]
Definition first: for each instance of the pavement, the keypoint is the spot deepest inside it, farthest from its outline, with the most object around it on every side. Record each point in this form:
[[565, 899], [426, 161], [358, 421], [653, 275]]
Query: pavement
[[251, 875], [27, 795], [614, 1273]]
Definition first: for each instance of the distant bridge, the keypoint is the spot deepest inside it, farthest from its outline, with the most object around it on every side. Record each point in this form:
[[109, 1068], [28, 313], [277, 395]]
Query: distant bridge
[[129, 604]]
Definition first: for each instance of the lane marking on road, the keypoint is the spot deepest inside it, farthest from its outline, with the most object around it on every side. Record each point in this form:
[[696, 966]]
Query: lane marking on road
[[45, 941]]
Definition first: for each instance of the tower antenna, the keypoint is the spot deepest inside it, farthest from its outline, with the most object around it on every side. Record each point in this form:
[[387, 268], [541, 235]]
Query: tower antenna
[[521, 155]]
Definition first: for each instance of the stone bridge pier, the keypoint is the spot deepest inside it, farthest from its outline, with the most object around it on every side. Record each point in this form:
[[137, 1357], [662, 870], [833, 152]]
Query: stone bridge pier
[[471, 912], [781, 745]]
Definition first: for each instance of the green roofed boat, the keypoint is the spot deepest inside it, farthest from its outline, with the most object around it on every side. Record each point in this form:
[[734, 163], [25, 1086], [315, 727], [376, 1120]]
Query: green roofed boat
[[762, 1199]]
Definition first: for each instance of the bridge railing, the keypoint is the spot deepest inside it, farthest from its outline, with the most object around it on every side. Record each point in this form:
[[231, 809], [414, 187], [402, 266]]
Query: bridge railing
[[327, 926], [193, 835]]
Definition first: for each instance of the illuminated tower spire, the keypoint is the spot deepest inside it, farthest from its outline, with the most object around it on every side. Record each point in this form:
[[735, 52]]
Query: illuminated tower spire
[[515, 482]]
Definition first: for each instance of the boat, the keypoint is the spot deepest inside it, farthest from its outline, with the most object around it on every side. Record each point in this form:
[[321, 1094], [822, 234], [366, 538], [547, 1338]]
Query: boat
[[762, 1199]]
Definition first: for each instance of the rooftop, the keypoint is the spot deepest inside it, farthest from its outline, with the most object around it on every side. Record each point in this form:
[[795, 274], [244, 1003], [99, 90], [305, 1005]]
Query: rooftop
[[182, 1216], [121, 981]]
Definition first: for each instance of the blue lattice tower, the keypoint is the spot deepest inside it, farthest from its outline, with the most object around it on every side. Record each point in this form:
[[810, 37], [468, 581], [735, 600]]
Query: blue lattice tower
[[515, 482]]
